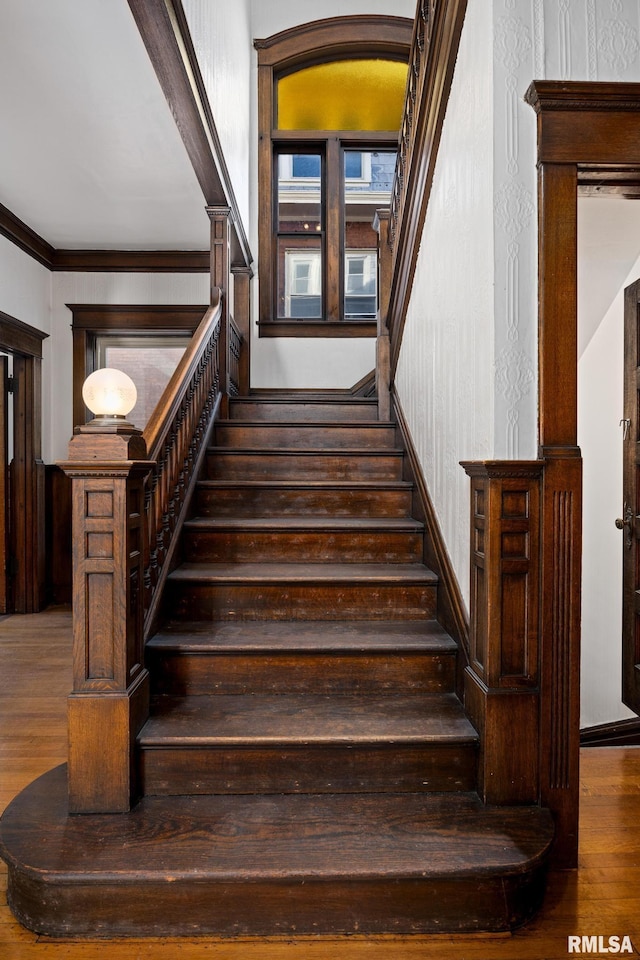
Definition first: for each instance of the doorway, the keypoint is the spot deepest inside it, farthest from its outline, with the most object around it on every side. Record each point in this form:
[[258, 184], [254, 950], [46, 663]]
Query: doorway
[[22, 475]]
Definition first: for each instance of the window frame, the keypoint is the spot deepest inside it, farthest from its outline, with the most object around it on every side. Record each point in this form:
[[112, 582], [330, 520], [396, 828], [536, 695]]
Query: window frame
[[336, 38]]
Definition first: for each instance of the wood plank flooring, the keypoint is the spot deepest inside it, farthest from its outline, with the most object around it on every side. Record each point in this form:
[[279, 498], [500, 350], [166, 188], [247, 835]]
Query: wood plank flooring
[[601, 898]]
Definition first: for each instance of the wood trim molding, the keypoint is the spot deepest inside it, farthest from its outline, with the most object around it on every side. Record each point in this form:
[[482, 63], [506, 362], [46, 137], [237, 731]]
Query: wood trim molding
[[452, 612], [620, 733], [19, 233], [131, 261], [19, 337], [323, 328], [423, 128], [326, 38], [99, 261], [165, 33]]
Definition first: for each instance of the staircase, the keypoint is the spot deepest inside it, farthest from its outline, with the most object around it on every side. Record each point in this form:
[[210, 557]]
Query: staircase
[[307, 767]]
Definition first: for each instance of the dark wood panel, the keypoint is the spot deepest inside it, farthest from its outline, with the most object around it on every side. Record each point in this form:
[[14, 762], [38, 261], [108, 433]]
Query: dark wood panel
[[131, 261], [25, 238], [58, 535], [19, 337]]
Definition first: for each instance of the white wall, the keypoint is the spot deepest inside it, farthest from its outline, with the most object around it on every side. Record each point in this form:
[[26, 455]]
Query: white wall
[[445, 373], [221, 34], [123, 288], [291, 362]]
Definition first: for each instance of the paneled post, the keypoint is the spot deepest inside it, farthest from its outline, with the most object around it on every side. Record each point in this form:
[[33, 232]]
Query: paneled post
[[502, 680], [561, 502], [383, 346], [110, 697], [221, 222], [242, 277]]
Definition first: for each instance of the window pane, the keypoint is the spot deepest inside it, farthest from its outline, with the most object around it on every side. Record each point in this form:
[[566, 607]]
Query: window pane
[[299, 278], [353, 165], [299, 193], [149, 366], [343, 95], [362, 197]]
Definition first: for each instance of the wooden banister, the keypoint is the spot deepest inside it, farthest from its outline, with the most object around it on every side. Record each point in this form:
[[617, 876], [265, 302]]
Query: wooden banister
[[174, 439], [130, 494]]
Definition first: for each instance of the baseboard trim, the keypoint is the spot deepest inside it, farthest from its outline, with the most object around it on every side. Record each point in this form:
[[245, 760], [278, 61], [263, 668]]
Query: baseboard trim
[[452, 612], [620, 733]]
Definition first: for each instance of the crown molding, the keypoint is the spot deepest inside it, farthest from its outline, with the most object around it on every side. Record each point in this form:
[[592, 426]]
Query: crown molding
[[99, 261]]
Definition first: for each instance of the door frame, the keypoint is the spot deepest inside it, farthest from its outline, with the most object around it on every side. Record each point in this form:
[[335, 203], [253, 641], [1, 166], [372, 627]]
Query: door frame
[[630, 604], [588, 133], [26, 507]]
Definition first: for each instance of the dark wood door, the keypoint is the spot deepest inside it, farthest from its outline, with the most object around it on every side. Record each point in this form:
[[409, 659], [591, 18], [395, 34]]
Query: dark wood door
[[629, 522]]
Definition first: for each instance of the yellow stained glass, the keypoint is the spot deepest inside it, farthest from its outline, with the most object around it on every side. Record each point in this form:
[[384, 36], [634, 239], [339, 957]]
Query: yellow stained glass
[[343, 95]]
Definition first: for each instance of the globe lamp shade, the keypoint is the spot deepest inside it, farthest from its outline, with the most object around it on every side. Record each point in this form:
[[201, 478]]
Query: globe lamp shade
[[109, 394]]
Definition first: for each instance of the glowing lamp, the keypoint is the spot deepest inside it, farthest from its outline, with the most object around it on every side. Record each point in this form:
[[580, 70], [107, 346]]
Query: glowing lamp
[[110, 394]]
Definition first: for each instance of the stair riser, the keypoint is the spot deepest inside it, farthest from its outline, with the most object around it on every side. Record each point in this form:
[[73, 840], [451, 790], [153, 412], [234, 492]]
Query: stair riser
[[299, 601], [136, 906], [187, 674], [375, 436], [270, 411], [225, 465], [320, 546], [322, 768], [267, 502]]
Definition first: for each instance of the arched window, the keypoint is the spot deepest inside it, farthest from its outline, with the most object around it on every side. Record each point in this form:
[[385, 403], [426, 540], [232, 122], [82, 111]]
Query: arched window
[[331, 97]]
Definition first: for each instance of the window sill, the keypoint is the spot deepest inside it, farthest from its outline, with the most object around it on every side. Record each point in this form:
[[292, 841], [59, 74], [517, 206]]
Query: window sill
[[318, 328]]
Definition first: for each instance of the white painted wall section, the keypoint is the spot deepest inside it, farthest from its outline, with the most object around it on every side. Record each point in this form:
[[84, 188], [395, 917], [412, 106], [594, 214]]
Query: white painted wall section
[[445, 373]]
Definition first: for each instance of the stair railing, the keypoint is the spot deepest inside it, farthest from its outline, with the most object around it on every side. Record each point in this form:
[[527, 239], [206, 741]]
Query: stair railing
[[175, 438], [130, 493]]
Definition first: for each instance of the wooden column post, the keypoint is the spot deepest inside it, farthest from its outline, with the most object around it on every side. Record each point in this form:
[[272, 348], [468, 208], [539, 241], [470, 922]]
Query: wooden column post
[[221, 221], [242, 277], [502, 680], [110, 697], [383, 345], [561, 503]]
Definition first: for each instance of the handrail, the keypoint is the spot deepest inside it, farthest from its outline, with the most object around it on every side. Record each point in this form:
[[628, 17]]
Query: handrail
[[434, 48], [175, 437]]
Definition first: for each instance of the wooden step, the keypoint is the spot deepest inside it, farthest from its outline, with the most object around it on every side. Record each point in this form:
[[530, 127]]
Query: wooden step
[[301, 591], [294, 436], [317, 657], [273, 865], [308, 409], [306, 743], [317, 539], [224, 463], [251, 498]]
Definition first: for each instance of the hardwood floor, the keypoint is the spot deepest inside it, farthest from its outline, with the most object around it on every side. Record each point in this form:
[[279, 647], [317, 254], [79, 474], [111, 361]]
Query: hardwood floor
[[601, 899]]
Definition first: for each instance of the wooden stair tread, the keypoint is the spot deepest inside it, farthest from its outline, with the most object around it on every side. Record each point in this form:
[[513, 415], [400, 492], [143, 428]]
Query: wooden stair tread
[[299, 719], [274, 837], [311, 523], [372, 485], [339, 636], [310, 451], [305, 573]]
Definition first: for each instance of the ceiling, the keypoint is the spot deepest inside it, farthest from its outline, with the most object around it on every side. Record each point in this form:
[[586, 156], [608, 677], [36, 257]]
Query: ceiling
[[90, 156]]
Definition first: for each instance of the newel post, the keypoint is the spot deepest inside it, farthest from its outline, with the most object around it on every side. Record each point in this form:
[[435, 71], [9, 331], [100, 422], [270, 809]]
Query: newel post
[[383, 344], [502, 681], [110, 697], [221, 222]]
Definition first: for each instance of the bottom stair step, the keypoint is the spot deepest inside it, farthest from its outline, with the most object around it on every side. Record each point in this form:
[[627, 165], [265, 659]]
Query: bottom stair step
[[269, 865]]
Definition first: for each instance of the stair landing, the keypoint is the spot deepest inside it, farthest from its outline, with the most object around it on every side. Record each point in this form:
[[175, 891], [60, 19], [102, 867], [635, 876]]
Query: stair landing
[[253, 865]]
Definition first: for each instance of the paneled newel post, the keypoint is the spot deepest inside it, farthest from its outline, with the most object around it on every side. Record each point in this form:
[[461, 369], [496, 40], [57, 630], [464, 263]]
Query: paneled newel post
[[502, 681], [110, 699], [221, 221]]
